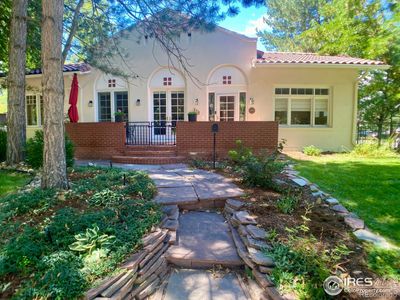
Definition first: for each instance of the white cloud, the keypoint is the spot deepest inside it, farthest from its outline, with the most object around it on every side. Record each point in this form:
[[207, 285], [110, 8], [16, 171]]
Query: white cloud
[[253, 25]]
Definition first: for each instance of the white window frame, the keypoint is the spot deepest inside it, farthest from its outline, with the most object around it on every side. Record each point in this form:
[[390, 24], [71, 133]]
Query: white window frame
[[312, 112], [112, 99], [38, 107]]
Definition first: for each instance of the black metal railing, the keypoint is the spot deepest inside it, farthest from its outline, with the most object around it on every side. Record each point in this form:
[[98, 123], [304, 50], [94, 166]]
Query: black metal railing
[[150, 133]]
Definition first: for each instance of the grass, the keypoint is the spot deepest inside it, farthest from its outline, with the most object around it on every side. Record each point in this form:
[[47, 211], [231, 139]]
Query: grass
[[368, 186], [11, 181], [3, 101]]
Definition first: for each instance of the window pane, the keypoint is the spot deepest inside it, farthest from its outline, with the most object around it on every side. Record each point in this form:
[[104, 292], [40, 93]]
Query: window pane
[[242, 108], [41, 110], [121, 104], [281, 106], [211, 106], [31, 110], [301, 112], [104, 107], [321, 111], [177, 106]]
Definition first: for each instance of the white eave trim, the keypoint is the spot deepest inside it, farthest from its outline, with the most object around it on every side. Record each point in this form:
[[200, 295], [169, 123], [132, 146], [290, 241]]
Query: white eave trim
[[317, 65]]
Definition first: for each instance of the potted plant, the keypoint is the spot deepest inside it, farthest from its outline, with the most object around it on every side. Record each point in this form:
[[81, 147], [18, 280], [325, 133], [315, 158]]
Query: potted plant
[[192, 116], [119, 116]]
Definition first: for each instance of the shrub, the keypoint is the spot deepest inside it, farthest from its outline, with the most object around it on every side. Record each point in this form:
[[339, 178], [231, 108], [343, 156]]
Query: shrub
[[33, 201], [106, 197], [372, 149], [288, 203], [260, 171], [241, 154], [3, 144], [312, 151], [34, 150], [91, 240]]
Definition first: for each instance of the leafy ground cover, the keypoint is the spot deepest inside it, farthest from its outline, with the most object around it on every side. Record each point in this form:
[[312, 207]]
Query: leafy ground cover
[[10, 181], [368, 186], [54, 245]]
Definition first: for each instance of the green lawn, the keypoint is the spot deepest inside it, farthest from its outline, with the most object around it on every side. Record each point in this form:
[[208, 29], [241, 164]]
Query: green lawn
[[370, 187], [10, 181], [3, 101]]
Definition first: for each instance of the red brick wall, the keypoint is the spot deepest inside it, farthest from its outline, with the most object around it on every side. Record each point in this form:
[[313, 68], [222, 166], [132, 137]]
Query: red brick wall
[[196, 137], [97, 140]]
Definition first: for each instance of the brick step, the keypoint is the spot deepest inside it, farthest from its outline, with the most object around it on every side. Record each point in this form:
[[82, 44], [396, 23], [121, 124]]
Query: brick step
[[161, 160], [150, 147], [150, 153]]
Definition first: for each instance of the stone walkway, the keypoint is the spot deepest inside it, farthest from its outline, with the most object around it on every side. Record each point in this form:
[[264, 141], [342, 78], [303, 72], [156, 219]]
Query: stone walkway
[[199, 284], [204, 241], [182, 186], [203, 238]]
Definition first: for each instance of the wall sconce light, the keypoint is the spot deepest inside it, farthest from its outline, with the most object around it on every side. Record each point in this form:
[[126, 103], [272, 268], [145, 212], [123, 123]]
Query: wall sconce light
[[251, 101], [138, 102], [196, 101], [90, 104]]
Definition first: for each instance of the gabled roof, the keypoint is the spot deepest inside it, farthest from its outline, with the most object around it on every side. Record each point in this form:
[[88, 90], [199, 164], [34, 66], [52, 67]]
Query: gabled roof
[[78, 67], [269, 58]]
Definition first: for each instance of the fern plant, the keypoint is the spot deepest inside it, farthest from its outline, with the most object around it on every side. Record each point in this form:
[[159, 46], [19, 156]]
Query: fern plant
[[91, 240]]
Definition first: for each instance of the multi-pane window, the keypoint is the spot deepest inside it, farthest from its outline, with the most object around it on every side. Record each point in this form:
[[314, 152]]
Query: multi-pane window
[[242, 106], [31, 110], [177, 107], [167, 81], [302, 106], [41, 110], [121, 103], [226, 79], [227, 108], [159, 112], [111, 83], [104, 107]]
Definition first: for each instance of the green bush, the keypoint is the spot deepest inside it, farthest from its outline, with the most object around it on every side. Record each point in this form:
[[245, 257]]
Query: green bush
[[91, 240], [106, 197], [260, 171], [34, 202], [312, 151], [3, 145], [34, 150], [241, 154], [372, 149], [287, 203]]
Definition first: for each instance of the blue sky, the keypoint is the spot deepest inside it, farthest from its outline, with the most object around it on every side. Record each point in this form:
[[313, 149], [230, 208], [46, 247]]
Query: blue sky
[[247, 21]]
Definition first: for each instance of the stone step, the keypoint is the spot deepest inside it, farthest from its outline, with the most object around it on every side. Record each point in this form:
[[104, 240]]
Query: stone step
[[204, 241], [147, 160], [150, 153]]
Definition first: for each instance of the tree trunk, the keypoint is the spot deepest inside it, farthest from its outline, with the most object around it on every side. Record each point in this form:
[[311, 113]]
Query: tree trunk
[[380, 129], [16, 122], [54, 164]]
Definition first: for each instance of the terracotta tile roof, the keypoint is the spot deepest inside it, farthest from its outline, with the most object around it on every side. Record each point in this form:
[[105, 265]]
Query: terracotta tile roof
[[79, 67], [312, 58]]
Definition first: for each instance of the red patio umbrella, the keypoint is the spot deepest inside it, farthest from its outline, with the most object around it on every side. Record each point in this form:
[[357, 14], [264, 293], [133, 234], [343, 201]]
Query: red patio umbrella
[[73, 99]]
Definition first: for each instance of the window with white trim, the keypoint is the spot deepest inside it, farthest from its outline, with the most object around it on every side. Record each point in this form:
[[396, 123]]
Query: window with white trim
[[34, 110], [302, 106]]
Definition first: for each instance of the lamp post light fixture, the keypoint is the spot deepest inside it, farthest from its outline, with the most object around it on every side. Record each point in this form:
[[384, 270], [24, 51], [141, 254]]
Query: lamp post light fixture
[[138, 102], [90, 104]]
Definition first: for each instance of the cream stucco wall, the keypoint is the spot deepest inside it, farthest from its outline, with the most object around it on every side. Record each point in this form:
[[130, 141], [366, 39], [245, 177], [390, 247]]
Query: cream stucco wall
[[211, 55]]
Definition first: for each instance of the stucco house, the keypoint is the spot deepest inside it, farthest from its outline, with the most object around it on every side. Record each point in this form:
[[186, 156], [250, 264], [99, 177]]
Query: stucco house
[[313, 97]]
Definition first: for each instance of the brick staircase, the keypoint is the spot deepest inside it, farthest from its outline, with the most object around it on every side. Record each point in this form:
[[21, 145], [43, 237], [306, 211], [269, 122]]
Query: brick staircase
[[149, 155]]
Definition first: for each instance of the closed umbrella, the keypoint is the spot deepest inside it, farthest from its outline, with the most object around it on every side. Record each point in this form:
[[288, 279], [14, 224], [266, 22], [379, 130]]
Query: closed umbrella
[[73, 100]]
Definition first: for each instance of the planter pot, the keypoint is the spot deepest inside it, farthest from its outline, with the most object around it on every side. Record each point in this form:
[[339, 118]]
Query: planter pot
[[119, 118], [192, 118]]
